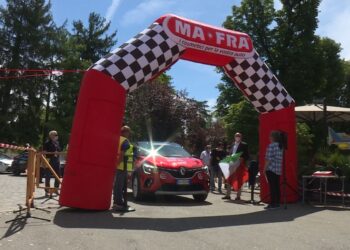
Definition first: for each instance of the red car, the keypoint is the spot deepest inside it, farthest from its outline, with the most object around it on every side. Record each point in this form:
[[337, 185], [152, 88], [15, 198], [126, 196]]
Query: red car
[[165, 168]]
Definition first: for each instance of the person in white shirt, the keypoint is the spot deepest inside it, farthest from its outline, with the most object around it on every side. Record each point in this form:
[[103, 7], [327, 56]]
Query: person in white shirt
[[205, 155]]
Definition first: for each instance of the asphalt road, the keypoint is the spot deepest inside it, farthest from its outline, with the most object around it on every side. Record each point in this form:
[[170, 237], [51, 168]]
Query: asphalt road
[[173, 223]]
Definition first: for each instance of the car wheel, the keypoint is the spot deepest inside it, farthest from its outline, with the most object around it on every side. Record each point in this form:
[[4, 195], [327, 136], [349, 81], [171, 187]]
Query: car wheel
[[200, 197], [136, 189]]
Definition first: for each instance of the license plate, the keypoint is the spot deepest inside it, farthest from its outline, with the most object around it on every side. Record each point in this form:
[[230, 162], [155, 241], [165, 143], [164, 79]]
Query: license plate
[[183, 182]]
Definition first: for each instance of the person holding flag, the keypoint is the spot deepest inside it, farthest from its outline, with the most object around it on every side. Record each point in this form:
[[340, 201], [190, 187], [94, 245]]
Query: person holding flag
[[235, 165]]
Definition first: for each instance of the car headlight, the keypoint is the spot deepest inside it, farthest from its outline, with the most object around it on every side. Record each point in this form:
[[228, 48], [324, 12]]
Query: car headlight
[[205, 169], [149, 169]]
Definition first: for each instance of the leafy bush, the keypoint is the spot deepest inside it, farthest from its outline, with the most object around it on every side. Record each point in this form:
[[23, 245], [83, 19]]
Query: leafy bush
[[304, 140], [326, 159]]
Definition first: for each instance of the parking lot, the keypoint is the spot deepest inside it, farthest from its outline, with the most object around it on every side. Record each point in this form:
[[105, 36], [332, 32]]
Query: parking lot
[[170, 223]]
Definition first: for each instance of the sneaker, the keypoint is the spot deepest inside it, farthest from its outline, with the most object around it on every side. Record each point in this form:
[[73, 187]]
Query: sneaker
[[119, 208], [130, 209], [238, 198], [220, 191], [275, 207], [226, 197], [268, 206]]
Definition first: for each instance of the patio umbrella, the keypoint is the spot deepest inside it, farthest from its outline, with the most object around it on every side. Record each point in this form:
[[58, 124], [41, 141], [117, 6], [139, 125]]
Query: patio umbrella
[[316, 112]]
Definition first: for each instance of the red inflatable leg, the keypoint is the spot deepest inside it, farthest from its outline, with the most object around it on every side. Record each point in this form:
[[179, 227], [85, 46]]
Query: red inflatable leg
[[93, 145], [284, 120]]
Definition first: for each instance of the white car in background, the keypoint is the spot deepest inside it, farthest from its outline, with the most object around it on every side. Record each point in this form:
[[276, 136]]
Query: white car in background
[[5, 163]]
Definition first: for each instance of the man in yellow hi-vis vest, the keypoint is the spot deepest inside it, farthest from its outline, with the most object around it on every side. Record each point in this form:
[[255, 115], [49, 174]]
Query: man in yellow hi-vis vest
[[120, 202], [130, 154]]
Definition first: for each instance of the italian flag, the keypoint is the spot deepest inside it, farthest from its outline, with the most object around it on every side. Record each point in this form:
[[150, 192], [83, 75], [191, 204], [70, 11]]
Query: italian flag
[[234, 171]]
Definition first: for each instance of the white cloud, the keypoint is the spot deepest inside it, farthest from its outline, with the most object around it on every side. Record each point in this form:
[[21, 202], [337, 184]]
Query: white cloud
[[112, 9], [144, 10], [335, 22]]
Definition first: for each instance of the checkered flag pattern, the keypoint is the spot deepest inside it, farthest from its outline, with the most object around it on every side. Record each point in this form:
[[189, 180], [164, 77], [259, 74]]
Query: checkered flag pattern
[[258, 84], [140, 58]]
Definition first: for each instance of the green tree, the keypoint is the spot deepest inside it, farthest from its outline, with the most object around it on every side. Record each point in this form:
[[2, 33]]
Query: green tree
[[344, 97], [305, 147], [331, 66], [24, 30], [67, 87], [229, 94], [307, 65], [94, 37], [255, 17], [296, 55], [243, 118], [156, 111], [78, 50]]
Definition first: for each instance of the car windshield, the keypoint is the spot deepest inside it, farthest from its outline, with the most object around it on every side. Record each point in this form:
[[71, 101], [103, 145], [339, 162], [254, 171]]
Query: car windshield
[[163, 149], [4, 157]]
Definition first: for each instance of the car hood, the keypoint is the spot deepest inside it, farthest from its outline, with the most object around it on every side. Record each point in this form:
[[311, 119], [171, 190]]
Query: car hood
[[6, 161], [174, 162]]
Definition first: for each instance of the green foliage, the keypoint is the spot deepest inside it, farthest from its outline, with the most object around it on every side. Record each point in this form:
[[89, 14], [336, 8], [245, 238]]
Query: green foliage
[[308, 66], [29, 38], [156, 111], [228, 94], [97, 43], [328, 159], [337, 159], [304, 142], [255, 17], [304, 147], [344, 97], [243, 118], [25, 31]]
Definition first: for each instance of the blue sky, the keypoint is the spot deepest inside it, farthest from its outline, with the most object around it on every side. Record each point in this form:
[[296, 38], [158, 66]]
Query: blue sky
[[130, 17]]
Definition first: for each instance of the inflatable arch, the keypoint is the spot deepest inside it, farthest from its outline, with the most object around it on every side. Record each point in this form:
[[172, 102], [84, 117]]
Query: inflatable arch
[[99, 113]]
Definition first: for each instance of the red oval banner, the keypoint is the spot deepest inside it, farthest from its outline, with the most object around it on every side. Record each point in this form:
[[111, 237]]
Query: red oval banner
[[202, 37]]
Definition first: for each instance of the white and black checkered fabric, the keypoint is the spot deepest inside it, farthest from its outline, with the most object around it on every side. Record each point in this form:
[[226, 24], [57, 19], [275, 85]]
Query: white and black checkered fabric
[[140, 58], [258, 84]]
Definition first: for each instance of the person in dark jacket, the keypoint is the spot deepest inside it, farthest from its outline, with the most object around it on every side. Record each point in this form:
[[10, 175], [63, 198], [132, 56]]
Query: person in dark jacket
[[217, 154], [52, 146]]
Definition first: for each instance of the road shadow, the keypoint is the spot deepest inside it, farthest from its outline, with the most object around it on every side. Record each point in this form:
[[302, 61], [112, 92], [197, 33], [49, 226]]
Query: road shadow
[[21, 219], [170, 201], [72, 218], [16, 226]]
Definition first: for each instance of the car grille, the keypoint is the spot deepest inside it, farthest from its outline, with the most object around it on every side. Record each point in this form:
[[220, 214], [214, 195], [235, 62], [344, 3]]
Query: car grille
[[189, 172], [179, 188]]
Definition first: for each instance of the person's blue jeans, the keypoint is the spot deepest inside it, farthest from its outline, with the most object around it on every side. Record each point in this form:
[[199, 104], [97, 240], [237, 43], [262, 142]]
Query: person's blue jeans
[[55, 164], [120, 184], [215, 172]]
